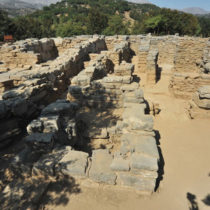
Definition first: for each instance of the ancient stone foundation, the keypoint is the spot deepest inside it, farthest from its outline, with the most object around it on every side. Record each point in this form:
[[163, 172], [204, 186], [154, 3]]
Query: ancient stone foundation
[[80, 110]]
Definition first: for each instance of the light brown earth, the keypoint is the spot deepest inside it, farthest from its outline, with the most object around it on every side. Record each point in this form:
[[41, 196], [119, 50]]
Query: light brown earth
[[185, 146]]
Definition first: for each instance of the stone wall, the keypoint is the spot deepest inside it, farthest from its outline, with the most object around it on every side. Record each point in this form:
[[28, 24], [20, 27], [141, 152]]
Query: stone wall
[[199, 106], [190, 70], [84, 115], [188, 53], [40, 86], [63, 44], [59, 129], [25, 54], [131, 165]]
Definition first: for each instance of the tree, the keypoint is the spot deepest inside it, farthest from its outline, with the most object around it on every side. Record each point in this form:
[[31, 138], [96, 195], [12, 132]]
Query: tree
[[116, 26], [204, 22], [171, 22], [154, 24], [70, 28], [96, 21]]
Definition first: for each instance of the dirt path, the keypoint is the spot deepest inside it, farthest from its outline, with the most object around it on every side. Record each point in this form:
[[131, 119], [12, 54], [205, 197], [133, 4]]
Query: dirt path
[[185, 146]]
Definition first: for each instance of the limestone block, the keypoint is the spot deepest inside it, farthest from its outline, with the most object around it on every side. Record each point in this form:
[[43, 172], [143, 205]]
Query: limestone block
[[113, 79], [127, 79], [204, 92], [36, 126], [60, 107], [134, 110], [82, 80], [100, 168], [202, 103], [145, 123], [124, 69], [40, 140], [74, 163], [143, 162], [120, 164], [130, 88], [137, 96], [50, 124], [127, 99], [196, 113], [138, 182], [145, 145]]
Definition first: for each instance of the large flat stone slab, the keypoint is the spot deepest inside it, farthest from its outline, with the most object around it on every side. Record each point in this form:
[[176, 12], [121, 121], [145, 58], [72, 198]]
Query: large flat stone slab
[[141, 144], [120, 164], [142, 162], [137, 182], [100, 170], [74, 163], [136, 120]]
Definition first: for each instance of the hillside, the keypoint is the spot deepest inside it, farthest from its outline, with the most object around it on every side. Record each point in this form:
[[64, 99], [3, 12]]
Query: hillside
[[108, 17]]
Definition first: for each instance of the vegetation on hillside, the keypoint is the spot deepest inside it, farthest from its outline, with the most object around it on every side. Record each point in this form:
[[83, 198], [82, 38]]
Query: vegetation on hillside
[[75, 17]]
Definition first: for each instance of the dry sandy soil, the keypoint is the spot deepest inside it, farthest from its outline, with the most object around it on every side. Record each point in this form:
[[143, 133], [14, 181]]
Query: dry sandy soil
[[185, 146]]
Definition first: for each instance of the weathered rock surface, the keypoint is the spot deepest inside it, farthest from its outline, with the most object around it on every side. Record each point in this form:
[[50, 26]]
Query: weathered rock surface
[[74, 163], [139, 183], [100, 167]]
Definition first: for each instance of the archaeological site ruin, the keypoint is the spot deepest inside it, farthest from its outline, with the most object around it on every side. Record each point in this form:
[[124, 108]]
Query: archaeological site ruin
[[75, 107]]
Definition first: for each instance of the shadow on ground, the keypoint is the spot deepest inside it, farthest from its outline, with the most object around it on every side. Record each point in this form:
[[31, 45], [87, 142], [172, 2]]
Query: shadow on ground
[[20, 189], [206, 200], [161, 161], [192, 201]]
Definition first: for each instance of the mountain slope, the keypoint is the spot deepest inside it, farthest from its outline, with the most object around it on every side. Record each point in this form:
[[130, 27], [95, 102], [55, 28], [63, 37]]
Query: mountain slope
[[140, 1], [195, 11], [18, 4], [41, 2], [23, 7]]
